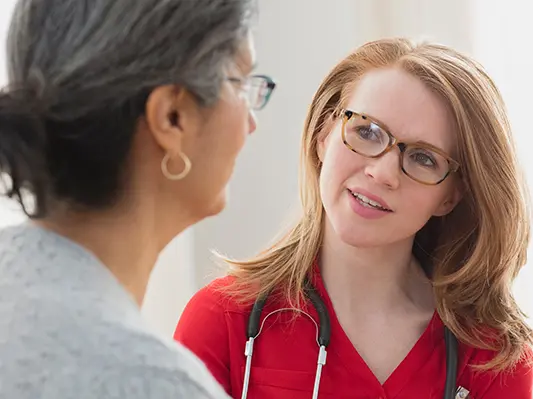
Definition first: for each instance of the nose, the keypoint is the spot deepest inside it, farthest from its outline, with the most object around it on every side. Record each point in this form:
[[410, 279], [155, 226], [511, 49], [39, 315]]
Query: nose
[[385, 170], [252, 122]]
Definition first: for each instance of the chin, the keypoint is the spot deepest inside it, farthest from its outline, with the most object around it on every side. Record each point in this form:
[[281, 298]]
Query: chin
[[359, 235], [218, 205], [360, 240], [367, 237]]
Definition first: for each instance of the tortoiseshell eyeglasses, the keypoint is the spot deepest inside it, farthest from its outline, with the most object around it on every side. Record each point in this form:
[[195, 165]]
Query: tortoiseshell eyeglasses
[[420, 161]]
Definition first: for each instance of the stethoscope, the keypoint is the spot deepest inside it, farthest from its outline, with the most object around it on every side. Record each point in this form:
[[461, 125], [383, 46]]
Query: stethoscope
[[451, 391]]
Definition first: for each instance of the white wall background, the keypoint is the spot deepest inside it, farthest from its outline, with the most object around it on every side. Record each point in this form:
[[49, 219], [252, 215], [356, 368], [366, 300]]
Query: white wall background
[[502, 35], [298, 41]]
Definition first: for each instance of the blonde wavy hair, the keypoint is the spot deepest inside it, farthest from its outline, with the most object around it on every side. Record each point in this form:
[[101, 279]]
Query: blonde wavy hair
[[476, 251]]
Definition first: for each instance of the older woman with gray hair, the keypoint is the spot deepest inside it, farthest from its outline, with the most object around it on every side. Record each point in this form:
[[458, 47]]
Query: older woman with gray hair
[[119, 129]]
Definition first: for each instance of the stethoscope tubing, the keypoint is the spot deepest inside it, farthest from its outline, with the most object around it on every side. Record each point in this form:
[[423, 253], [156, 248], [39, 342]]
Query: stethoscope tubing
[[324, 337]]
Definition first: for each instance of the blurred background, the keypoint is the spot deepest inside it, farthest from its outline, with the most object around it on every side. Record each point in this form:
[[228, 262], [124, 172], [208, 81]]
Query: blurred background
[[298, 42]]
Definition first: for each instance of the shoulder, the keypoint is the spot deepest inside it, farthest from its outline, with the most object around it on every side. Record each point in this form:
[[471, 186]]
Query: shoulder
[[209, 323], [189, 379], [216, 296], [157, 368], [205, 317], [107, 360], [214, 312], [137, 362], [515, 382], [128, 356], [137, 347]]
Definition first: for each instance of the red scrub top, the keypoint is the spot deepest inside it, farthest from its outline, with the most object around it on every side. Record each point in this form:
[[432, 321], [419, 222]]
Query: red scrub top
[[285, 356]]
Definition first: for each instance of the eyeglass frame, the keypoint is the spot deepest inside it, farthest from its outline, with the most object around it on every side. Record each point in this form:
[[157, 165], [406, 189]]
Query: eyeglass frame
[[270, 85], [346, 115]]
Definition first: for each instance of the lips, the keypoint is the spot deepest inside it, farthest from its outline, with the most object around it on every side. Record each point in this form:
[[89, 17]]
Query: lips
[[370, 200]]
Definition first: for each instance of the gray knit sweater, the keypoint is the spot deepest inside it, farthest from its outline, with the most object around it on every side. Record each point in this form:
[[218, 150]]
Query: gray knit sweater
[[69, 330]]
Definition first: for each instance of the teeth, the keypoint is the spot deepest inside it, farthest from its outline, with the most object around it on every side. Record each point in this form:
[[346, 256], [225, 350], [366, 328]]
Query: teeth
[[368, 201]]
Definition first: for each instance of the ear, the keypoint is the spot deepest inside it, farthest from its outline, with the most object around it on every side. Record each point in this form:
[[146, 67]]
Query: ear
[[171, 115], [450, 202]]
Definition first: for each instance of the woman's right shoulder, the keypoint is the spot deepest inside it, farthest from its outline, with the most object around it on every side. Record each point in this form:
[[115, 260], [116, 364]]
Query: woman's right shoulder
[[217, 295], [211, 319]]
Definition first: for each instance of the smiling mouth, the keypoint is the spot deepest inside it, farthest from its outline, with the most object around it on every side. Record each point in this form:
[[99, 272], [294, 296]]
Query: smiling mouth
[[368, 203]]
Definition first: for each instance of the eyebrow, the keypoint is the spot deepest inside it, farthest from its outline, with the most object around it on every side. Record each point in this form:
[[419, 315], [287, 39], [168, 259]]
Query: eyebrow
[[383, 126]]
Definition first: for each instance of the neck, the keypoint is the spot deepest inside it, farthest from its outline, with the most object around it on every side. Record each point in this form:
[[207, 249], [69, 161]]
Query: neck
[[126, 242], [374, 280]]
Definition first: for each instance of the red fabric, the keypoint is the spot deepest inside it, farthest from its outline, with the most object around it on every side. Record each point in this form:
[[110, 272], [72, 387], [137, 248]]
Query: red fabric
[[285, 357]]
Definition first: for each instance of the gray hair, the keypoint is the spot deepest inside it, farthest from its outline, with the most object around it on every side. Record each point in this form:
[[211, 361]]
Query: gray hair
[[80, 72], [69, 52]]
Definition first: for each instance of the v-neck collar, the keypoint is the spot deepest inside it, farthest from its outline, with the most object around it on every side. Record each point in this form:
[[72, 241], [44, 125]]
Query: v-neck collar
[[343, 349]]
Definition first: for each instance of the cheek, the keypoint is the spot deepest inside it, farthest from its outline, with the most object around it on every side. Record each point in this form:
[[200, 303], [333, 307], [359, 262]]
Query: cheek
[[227, 136], [228, 131], [340, 165], [233, 133], [420, 203]]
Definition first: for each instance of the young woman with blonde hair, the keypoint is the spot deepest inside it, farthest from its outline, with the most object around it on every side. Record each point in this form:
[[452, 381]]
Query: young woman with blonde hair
[[414, 226]]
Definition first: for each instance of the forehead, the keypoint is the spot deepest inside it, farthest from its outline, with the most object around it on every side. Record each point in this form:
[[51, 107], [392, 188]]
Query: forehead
[[410, 110]]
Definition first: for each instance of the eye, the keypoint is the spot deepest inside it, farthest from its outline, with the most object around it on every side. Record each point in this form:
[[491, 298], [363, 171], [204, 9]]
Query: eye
[[423, 159], [368, 132]]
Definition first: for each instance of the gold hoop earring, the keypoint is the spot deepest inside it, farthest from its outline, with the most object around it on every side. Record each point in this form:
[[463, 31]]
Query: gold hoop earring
[[179, 176]]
